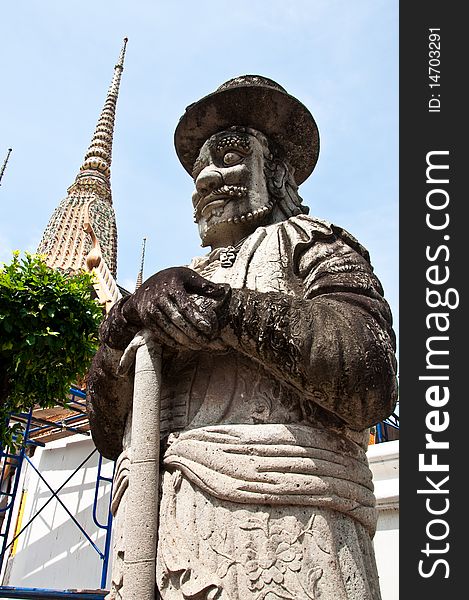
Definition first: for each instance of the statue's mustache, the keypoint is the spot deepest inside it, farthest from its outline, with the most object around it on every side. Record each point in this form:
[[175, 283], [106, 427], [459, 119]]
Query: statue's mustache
[[218, 196]]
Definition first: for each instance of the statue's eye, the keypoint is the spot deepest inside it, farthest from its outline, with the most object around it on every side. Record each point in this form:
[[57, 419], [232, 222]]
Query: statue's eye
[[232, 158]]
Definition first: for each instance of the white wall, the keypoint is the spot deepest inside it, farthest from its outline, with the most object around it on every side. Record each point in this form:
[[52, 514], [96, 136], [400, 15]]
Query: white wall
[[384, 463], [53, 552]]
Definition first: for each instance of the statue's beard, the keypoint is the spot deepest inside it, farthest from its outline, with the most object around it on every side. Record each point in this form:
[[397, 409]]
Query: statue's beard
[[257, 216]]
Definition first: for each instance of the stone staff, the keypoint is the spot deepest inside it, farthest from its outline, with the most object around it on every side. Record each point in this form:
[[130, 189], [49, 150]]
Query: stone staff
[[141, 521]]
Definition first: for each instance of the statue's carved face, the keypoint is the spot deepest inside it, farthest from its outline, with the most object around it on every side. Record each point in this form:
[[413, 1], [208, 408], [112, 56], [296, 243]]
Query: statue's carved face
[[231, 197]]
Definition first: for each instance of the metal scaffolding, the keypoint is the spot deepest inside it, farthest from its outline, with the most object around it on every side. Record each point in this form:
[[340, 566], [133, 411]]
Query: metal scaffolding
[[384, 429], [38, 429]]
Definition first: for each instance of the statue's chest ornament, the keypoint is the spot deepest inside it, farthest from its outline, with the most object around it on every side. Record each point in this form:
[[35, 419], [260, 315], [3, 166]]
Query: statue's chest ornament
[[228, 255]]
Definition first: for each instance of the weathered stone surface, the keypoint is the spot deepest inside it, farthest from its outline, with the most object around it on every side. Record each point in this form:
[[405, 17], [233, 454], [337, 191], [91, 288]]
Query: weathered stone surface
[[278, 354]]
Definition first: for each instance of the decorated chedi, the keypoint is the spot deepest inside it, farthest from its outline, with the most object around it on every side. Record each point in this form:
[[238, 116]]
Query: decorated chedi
[[82, 232]]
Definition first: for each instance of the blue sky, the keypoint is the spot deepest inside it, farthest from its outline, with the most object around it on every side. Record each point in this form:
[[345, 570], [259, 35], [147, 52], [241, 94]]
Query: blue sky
[[339, 57]]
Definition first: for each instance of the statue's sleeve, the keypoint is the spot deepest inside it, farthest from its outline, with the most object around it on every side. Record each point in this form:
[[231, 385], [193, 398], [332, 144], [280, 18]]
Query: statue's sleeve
[[109, 396], [333, 339]]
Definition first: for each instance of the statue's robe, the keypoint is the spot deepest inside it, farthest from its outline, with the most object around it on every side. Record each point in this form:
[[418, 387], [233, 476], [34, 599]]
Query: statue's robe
[[266, 488]]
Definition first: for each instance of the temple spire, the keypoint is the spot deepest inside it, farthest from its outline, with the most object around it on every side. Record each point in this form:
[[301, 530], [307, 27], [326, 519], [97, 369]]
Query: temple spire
[[140, 273], [99, 154], [2, 170], [87, 207]]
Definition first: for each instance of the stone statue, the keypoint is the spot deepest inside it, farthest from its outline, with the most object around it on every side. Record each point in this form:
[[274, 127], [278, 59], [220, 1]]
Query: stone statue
[[277, 356]]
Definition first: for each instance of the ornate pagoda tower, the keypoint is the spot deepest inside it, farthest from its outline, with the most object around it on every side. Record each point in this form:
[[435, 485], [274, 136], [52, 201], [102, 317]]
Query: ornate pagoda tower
[[82, 232]]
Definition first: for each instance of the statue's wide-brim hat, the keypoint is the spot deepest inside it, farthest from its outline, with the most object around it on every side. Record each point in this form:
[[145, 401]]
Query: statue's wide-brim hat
[[257, 102]]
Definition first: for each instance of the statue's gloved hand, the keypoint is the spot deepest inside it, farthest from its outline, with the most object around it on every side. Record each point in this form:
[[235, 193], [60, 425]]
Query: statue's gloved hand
[[178, 306]]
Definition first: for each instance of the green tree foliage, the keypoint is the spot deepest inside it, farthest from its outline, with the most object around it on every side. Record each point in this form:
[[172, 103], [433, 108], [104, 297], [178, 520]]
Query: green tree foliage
[[48, 335]]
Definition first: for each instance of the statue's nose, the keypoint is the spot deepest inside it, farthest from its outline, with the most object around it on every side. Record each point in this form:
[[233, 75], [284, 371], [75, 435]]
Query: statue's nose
[[209, 179]]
